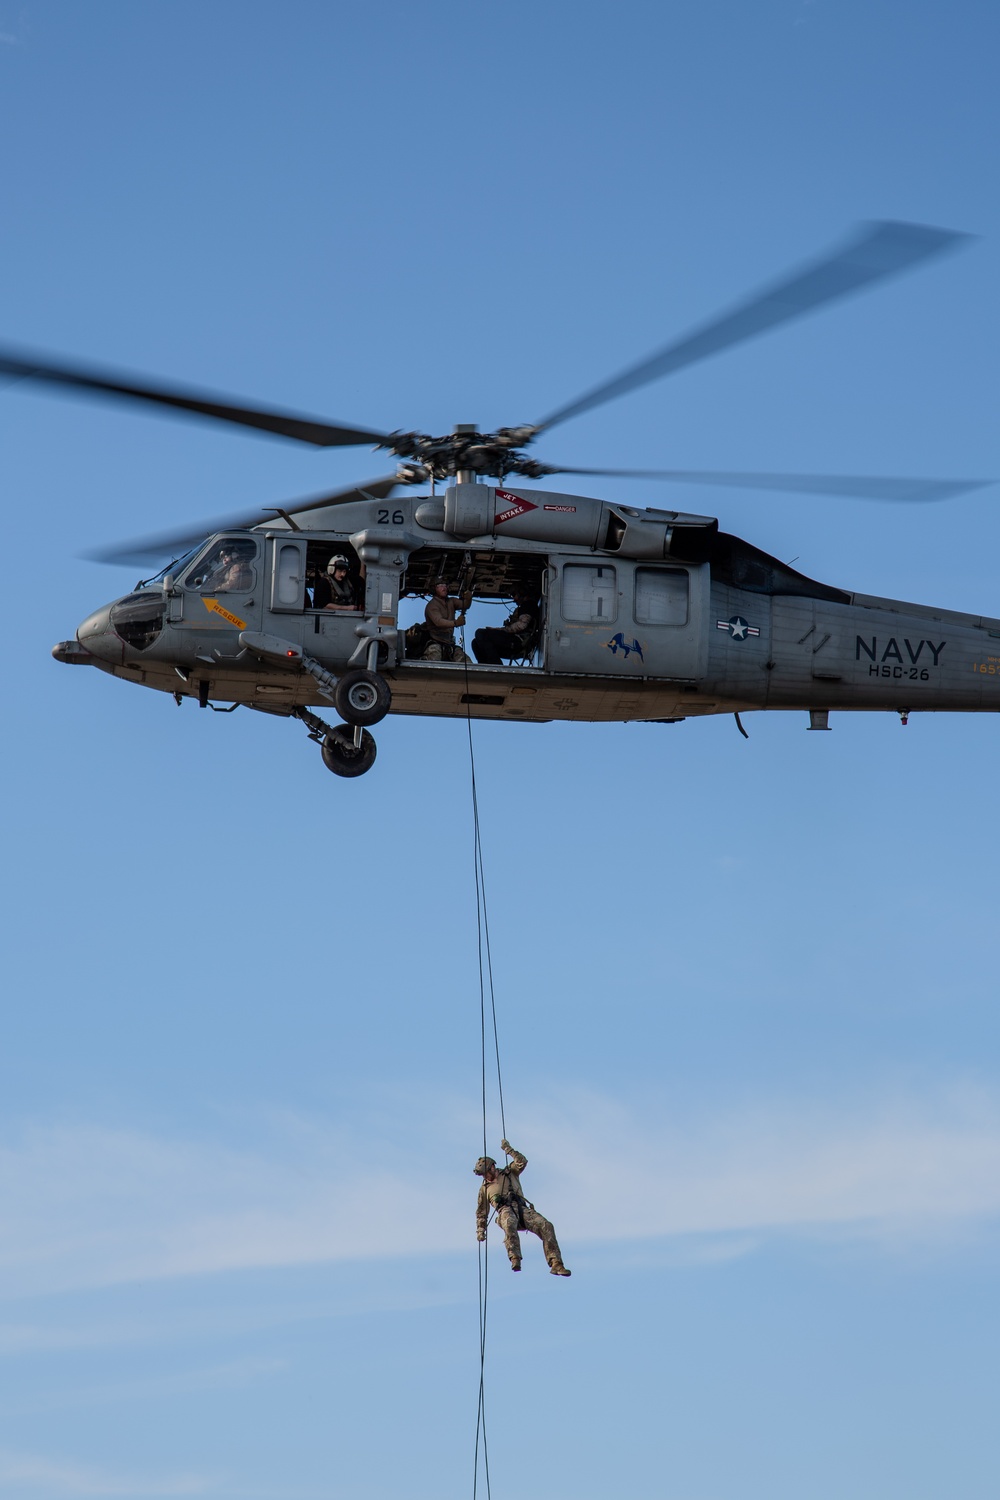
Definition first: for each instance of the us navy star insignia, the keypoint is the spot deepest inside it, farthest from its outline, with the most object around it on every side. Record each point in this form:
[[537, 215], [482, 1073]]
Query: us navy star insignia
[[738, 628]]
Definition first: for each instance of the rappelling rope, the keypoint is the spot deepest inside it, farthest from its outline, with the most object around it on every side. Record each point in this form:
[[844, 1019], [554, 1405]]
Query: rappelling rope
[[485, 958]]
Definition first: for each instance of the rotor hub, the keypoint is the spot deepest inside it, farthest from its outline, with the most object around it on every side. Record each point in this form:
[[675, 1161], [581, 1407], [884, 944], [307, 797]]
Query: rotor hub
[[465, 450]]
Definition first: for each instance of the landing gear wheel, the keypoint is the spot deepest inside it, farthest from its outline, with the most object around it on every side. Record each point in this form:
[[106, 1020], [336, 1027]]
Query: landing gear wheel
[[342, 758], [362, 697]]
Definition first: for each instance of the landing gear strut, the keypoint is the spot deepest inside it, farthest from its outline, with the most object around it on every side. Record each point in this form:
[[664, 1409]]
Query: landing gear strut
[[347, 750]]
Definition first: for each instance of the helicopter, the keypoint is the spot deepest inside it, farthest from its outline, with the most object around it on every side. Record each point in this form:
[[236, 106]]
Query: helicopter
[[646, 614]]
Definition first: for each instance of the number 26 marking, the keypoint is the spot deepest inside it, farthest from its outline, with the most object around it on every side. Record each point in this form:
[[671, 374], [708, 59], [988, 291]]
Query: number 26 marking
[[383, 518]]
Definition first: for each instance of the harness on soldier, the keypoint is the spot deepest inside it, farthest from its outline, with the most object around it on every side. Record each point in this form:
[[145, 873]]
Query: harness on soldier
[[341, 590], [508, 1198]]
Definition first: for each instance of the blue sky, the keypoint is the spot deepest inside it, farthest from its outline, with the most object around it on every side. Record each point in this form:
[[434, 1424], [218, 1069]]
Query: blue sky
[[746, 990]]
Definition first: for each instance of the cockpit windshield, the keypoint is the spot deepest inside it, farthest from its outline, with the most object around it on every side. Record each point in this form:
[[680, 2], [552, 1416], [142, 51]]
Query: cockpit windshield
[[174, 566]]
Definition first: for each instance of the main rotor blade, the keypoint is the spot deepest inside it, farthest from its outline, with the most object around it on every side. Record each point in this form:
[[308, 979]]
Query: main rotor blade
[[854, 486], [154, 549], [26, 366], [877, 251]]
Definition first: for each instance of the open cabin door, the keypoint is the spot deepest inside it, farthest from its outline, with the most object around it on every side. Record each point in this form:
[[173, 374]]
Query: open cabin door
[[622, 618]]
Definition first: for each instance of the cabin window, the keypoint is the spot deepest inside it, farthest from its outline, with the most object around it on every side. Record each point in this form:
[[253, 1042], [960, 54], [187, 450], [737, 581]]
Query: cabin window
[[661, 596], [289, 576], [590, 593]]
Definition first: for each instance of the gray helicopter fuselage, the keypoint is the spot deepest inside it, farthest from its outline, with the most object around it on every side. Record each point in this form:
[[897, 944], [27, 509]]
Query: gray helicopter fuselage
[[645, 615]]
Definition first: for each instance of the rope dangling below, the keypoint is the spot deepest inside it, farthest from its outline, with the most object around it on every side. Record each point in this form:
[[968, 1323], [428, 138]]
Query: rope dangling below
[[485, 962]]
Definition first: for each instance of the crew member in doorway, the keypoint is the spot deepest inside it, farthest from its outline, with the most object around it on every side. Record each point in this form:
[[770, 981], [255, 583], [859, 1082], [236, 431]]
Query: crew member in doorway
[[515, 637], [335, 589], [501, 1190], [442, 616]]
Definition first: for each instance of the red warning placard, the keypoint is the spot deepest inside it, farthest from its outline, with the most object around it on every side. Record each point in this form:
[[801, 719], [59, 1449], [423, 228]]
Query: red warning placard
[[516, 506]]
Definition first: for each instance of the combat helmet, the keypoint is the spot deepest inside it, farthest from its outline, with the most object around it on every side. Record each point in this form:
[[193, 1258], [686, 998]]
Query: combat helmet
[[483, 1165]]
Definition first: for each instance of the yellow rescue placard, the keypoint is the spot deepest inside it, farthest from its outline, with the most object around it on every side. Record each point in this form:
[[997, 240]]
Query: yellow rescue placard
[[214, 607]]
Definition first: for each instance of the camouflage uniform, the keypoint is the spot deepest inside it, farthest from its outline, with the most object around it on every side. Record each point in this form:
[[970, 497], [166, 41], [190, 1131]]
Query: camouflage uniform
[[440, 623], [514, 1213]]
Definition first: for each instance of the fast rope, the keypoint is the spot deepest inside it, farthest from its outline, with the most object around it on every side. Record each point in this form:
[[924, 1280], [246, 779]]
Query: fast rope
[[485, 959]]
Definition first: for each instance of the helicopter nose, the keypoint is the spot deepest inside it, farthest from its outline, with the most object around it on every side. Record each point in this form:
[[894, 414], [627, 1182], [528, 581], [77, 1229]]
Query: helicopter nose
[[96, 636]]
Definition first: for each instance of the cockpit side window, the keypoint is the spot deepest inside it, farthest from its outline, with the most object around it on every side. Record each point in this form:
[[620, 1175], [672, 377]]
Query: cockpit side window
[[226, 568]]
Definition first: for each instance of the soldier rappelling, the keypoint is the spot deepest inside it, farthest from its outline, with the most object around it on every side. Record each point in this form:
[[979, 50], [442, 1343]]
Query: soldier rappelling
[[501, 1190]]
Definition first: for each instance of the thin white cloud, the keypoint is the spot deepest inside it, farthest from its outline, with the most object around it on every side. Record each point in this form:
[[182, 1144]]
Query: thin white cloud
[[14, 35], [24, 1474], [905, 1168], [93, 1206], [234, 1374], [39, 1338]]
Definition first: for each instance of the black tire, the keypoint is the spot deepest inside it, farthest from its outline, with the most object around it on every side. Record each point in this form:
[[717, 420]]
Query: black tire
[[362, 697], [342, 758]]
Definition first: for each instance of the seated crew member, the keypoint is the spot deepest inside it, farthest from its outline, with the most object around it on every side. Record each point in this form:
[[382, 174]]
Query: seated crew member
[[334, 589], [442, 616], [501, 1190], [232, 572], [492, 643]]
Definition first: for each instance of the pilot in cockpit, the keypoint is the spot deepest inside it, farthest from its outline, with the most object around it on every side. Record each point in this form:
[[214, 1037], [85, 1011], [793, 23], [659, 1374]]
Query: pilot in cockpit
[[231, 570]]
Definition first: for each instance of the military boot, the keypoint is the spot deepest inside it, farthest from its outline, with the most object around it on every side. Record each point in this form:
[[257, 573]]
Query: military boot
[[558, 1269]]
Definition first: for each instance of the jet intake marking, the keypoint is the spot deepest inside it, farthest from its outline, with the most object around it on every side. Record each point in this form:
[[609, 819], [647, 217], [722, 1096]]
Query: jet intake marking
[[517, 506], [214, 607]]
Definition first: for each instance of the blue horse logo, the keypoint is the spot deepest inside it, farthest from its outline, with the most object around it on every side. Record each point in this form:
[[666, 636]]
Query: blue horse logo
[[618, 643]]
